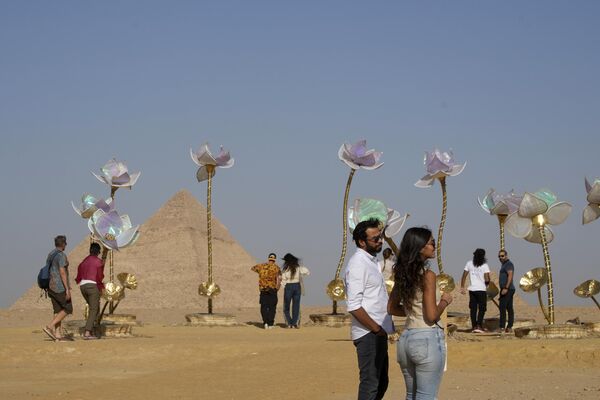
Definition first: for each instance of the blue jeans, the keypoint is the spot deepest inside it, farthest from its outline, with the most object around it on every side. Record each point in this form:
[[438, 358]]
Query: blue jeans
[[291, 294], [372, 352], [422, 354]]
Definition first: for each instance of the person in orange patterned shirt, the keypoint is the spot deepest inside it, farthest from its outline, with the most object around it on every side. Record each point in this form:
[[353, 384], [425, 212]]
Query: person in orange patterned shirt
[[269, 280]]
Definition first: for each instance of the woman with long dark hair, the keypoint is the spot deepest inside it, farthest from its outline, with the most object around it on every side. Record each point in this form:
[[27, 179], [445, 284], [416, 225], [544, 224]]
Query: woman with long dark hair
[[479, 275], [293, 288], [421, 349]]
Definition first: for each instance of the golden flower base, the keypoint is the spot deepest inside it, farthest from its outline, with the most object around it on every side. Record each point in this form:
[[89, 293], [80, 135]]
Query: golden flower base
[[107, 329], [205, 319], [331, 320], [121, 319], [557, 331]]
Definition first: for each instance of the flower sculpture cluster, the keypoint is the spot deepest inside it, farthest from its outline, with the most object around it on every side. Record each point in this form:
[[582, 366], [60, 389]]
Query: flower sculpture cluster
[[356, 156], [112, 230], [208, 164], [500, 205], [530, 222], [592, 210]]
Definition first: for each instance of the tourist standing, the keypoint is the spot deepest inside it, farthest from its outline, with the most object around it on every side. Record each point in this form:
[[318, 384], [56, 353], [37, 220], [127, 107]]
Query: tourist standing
[[59, 290], [507, 292], [269, 280], [366, 302], [387, 264], [90, 274], [479, 275], [421, 349], [293, 288]]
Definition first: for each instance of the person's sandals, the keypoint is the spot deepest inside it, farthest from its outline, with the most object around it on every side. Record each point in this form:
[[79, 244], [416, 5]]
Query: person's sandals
[[49, 332], [91, 337]]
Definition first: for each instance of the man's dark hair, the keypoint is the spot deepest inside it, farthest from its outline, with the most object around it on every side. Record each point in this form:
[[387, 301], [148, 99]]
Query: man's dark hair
[[360, 232], [60, 240], [94, 249]]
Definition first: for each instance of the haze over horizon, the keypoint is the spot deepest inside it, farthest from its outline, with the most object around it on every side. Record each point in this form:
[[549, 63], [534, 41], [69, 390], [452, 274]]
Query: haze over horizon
[[512, 88]]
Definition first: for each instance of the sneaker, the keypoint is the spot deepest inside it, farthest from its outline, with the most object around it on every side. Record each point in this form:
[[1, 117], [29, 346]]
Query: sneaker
[[508, 330], [477, 330], [266, 326], [296, 326]]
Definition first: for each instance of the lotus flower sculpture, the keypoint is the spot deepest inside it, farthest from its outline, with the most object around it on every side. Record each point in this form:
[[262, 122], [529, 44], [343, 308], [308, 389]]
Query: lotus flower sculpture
[[589, 288], [129, 281], [115, 174], [208, 164], [440, 165], [500, 205], [533, 281], [90, 204], [356, 156], [530, 222], [114, 231], [592, 210]]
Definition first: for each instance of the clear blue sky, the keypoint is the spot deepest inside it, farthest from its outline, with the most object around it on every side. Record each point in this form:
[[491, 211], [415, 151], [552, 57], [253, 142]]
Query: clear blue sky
[[511, 87]]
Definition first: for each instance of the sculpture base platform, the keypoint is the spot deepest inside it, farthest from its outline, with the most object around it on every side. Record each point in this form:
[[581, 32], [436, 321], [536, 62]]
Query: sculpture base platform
[[107, 328], [121, 319], [205, 319], [556, 331], [594, 326], [492, 324], [331, 320]]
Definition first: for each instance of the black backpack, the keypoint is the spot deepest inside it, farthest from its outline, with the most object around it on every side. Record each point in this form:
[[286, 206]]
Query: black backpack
[[43, 278]]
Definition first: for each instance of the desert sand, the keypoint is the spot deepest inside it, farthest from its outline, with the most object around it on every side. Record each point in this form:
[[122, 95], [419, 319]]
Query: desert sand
[[168, 360]]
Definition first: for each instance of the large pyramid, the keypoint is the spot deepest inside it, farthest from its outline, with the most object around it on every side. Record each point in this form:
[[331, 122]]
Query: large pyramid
[[170, 260]]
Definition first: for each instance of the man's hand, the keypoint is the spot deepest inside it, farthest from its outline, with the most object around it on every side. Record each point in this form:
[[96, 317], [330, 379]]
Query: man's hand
[[463, 290], [68, 294], [503, 291]]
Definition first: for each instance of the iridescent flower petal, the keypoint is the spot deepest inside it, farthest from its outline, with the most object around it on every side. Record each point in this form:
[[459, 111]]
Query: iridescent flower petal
[[531, 206], [558, 212], [535, 237], [591, 213], [357, 156], [518, 226], [593, 196], [439, 164], [395, 223]]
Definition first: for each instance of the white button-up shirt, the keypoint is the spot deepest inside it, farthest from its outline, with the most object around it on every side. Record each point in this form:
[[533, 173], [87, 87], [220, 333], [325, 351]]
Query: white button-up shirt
[[365, 287]]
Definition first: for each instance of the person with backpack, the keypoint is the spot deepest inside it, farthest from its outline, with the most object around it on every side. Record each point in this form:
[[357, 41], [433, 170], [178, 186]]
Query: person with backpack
[[90, 274], [59, 290]]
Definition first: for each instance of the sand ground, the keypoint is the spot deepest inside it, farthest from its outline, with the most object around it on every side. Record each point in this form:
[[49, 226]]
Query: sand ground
[[167, 360]]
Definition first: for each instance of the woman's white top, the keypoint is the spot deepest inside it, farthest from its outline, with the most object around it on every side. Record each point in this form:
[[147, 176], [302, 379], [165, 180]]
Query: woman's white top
[[286, 276], [476, 276], [414, 317]]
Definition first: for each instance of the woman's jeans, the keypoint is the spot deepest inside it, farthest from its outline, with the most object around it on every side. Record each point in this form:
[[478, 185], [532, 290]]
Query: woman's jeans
[[422, 354], [291, 294]]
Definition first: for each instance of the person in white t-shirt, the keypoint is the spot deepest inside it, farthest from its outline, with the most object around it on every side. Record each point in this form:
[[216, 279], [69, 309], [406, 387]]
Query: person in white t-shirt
[[387, 264], [479, 275]]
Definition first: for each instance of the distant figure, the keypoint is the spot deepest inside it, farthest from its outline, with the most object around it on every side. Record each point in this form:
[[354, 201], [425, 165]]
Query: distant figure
[[479, 276], [366, 302], [59, 291], [507, 291], [293, 288], [421, 349], [386, 266], [90, 274], [269, 280]]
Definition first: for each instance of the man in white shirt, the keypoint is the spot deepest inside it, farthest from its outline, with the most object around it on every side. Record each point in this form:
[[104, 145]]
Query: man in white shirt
[[386, 266], [367, 303]]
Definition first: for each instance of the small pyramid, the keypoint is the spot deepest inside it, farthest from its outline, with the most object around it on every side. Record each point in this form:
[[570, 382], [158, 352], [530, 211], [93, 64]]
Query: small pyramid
[[169, 261]]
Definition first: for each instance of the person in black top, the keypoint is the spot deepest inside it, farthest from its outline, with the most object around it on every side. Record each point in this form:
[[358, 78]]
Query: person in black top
[[507, 292]]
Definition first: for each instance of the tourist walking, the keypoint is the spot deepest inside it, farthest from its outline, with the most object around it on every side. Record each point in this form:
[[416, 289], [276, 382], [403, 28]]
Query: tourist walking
[[421, 349], [387, 264], [507, 292], [90, 274], [59, 290], [293, 288], [479, 275], [269, 280], [366, 302]]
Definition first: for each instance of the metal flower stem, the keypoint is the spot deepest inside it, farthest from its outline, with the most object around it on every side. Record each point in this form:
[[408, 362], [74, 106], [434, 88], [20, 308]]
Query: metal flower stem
[[501, 220], [344, 232], [595, 301], [104, 256], [209, 169], [549, 273], [539, 292], [438, 248]]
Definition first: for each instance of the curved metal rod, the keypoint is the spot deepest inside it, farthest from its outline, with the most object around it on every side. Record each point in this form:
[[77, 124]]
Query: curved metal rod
[[549, 272], [344, 232], [438, 248], [595, 301], [539, 292], [102, 313]]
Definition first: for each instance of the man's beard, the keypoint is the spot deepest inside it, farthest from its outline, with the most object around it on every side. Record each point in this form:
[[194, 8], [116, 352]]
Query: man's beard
[[373, 250]]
